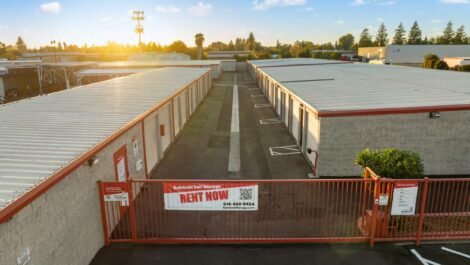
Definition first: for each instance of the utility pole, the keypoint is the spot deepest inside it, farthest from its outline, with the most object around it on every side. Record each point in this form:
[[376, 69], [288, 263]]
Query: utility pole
[[138, 16], [53, 42]]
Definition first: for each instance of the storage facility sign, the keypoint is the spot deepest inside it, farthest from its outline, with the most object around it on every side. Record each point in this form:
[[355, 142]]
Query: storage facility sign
[[404, 198], [116, 192], [210, 196]]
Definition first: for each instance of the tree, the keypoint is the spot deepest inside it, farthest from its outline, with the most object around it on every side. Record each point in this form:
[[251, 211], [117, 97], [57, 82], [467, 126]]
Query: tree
[[460, 36], [415, 35], [8, 51], [240, 44], [177, 46], [21, 45], [382, 36], [345, 42], [230, 46], [448, 34], [399, 38], [302, 49], [365, 39], [199, 40], [250, 42], [217, 46]]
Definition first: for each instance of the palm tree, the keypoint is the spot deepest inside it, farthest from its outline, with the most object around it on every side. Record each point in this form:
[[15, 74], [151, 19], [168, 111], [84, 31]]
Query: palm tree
[[199, 43]]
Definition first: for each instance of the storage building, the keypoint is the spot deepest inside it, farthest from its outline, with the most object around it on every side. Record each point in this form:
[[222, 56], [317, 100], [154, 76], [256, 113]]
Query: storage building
[[412, 54], [55, 148], [335, 109], [217, 66]]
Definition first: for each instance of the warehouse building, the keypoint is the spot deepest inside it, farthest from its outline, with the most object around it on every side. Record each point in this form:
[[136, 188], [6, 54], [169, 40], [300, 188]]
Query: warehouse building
[[335, 109], [454, 62], [55, 148], [90, 76], [19, 81], [217, 66], [412, 54]]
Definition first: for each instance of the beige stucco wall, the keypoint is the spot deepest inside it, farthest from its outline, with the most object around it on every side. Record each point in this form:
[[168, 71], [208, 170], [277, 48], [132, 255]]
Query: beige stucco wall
[[63, 225], [443, 143]]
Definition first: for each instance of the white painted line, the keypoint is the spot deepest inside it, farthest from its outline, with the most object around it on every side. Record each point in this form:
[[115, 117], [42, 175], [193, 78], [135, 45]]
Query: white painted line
[[262, 105], [456, 252], [270, 121], [284, 150], [234, 153], [257, 96], [423, 260]]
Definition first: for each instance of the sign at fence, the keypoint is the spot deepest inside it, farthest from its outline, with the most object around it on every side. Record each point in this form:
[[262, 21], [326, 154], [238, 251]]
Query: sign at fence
[[116, 192], [207, 196], [404, 198]]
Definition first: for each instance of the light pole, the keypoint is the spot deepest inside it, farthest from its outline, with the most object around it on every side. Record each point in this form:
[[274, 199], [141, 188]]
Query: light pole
[[138, 16], [53, 42]]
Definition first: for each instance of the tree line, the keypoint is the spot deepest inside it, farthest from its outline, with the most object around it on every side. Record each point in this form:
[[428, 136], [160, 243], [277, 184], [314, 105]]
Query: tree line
[[303, 48], [414, 37]]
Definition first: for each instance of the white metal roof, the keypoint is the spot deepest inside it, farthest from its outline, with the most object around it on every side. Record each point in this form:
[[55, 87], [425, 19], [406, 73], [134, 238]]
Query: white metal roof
[[41, 135], [358, 86], [113, 71], [195, 63]]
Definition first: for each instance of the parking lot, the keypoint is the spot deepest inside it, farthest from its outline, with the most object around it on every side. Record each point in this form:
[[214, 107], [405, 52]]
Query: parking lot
[[331, 254]]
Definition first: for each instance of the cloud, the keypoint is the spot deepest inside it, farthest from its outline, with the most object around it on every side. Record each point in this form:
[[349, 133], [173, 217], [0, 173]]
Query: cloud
[[387, 3], [358, 3], [339, 23], [105, 19], [309, 9], [454, 2], [51, 7], [375, 2], [201, 9], [168, 9], [265, 4]]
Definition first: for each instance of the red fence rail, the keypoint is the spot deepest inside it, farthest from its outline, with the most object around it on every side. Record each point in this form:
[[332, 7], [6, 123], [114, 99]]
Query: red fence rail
[[326, 210]]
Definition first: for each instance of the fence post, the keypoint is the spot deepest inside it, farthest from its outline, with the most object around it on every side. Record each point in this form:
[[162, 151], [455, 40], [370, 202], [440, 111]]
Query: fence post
[[375, 210], [103, 213], [364, 196], [131, 210], [422, 207]]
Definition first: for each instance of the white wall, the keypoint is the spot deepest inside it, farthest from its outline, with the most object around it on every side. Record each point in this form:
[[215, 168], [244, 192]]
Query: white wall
[[295, 120], [164, 114], [176, 114], [229, 66], [151, 144], [313, 136], [415, 53], [2, 89]]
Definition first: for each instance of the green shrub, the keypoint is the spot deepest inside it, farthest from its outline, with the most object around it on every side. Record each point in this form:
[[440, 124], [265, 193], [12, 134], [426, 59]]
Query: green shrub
[[463, 68], [392, 163], [432, 61]]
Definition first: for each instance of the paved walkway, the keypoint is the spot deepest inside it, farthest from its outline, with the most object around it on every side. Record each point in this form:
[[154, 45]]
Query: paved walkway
[[202, 150]]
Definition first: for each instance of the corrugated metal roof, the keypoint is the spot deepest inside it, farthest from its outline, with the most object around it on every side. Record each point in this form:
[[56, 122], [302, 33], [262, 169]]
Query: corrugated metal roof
[[114, 71], [358, 86], [194, 63], [41, 135]]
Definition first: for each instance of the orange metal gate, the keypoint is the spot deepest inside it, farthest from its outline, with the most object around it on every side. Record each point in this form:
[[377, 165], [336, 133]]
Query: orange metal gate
[[286, 211]]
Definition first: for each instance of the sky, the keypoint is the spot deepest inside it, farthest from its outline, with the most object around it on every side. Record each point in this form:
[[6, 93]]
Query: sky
[[99, 21]]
